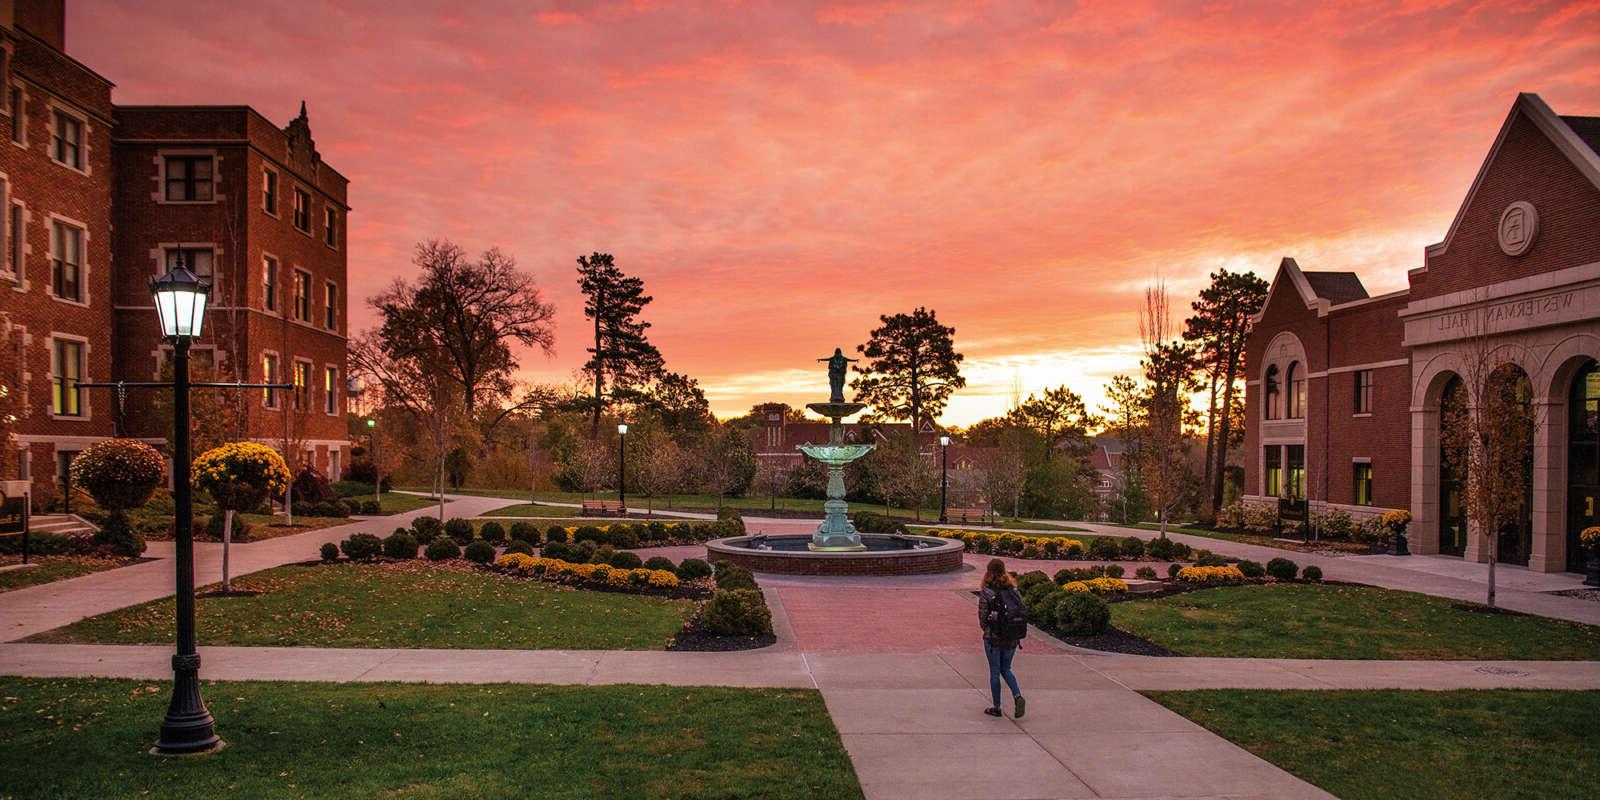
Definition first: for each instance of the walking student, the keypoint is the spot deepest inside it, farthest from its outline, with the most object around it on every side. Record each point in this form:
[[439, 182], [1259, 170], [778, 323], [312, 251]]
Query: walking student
[[1004, 624]]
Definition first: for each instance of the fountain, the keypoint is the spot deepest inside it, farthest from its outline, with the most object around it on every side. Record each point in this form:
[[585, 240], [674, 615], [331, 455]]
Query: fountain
[[837, 548]]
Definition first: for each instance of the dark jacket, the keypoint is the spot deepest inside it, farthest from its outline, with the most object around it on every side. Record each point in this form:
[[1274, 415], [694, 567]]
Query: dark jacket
[[989, 608]]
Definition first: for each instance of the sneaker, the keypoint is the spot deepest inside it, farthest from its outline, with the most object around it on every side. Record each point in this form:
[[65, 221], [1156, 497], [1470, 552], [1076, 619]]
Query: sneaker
[[1022, 707], [993, 711]]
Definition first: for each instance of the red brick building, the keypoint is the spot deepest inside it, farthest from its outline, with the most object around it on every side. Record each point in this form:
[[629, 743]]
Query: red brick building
[[99, 199], [1345, 390]]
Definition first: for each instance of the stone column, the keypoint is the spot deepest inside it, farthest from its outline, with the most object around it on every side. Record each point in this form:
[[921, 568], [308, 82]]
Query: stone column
[[1423, 533], [1549, 552]]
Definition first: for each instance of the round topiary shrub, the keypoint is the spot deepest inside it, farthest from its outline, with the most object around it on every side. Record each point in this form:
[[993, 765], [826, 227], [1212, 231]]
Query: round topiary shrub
[[1063, 575], [1252, 569], [1145, 573], [526, 531], [623, 559], [597, 555], [1044, 611], [1104, 549], [555, 533], [118, 473], [371, 508], [330, 551], [442, 548], [1172, 570], [1162, 549], [1031, 578], [458, 529], [215, 525], [589, 533], [623, 536], [480, 552], [1113, 571], [492, 532], [737, 612], [732, 576], [400, 544], [1282, 568], [1131, 547], [661, 562], [560, 551], [426, 529], [692, 568], [658, 532], [361, 547], [520, 546], [1312, 572], [1082, 614]]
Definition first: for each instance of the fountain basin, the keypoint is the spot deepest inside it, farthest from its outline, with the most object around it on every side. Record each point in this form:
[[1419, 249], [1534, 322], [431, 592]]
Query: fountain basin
[[836, 455], [791, 554]]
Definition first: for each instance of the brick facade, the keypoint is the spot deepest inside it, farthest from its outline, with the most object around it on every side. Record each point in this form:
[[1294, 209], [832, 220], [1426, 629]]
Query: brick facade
[[1517, 275], [115, 198]]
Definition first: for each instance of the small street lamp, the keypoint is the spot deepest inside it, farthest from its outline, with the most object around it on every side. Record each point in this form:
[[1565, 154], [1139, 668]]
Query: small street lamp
[[622, 473], [356, 387], [180, 300], [944, 479]]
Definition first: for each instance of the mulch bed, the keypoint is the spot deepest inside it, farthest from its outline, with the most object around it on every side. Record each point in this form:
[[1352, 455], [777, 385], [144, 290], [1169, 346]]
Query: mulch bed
[[692, 640], [1592, 595], [1117, 640]]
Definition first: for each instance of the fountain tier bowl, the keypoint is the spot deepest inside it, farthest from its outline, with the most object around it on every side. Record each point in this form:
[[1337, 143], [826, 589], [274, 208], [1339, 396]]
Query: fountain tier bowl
[[884, 555]]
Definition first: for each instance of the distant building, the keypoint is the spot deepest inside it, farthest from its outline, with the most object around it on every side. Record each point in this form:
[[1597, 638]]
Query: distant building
[[99, 199], [1345, 389]]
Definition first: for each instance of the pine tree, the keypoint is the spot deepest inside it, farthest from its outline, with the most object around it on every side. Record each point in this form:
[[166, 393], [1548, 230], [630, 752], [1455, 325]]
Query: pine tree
[[912, 368], [621, 353], [1217, 331]]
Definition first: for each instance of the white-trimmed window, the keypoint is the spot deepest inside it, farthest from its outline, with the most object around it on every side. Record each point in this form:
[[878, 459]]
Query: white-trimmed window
[[1297, 391], [330, 391], [269, 191], [1272, 407], [196, 259], [302, 210], [19, 116], [302, 384], [66, 140], [66, 372], [330, 310], [269, 283], [8, 267], [269, 374], [16, 237], [1363, 392], [302, 295], [330, 227], [190, 178], [66, 261]]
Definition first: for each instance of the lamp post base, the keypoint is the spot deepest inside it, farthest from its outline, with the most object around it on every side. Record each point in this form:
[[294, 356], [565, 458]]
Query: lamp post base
[[188, 727]]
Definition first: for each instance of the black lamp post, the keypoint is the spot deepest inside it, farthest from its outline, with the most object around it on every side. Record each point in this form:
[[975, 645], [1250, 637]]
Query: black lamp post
[[180, 299], [622, 469], [944, 479]]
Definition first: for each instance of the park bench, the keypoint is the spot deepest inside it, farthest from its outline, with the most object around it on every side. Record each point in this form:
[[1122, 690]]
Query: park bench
[[973, 514], [601, 508]]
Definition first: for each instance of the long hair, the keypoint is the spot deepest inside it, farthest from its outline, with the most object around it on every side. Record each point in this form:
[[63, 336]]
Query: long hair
[[996, 577]]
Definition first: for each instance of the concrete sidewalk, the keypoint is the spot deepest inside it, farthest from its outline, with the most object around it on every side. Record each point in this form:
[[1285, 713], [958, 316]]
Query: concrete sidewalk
[[24, 612]]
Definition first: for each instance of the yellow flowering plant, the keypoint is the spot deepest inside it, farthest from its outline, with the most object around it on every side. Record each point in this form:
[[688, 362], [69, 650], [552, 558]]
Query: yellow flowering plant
[[554, 569], [1227, 574], [240, 475], [1395, 521], [1589, 539], [119, 473]]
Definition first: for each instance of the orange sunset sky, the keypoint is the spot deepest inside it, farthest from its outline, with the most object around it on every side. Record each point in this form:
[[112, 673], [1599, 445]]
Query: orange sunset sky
[[782, 173]]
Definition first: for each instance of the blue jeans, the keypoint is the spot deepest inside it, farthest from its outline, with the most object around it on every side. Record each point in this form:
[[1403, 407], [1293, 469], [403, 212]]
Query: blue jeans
[[1000, 667]]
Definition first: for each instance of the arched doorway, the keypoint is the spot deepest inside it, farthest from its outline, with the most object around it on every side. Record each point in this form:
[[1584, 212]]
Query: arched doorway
[[1583, 459], [1452, 470]]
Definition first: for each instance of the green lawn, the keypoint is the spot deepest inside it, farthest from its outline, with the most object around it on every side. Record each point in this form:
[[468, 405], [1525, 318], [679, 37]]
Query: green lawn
[[411, 604], [85, 738], [1251, 538], [1335, 621], [397, 503], [52, 568], [1033, 528], [534, 510], [1417, 745]]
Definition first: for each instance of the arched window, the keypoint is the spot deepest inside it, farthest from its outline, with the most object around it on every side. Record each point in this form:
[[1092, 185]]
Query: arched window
[[1297, 391], [1274, 403]]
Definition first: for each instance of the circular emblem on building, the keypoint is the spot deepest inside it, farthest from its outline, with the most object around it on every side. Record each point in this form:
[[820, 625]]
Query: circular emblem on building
[[1519, 224]]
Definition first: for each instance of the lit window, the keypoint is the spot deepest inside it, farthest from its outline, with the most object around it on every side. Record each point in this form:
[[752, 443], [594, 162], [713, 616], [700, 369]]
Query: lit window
[[65, 396], [1272, 484], [66, 261], [302, 383], [189, 178], [302, 296], [1295, 477], [330, 389], [68, 143], [269, 374], [1362, 485], [1297, 392], [195, 259], [1363, 398]]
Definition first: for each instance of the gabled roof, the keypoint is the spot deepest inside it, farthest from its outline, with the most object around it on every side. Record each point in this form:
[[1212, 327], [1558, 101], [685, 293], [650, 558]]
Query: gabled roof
[[1336, 287], [1320, 291], [1578, 138]]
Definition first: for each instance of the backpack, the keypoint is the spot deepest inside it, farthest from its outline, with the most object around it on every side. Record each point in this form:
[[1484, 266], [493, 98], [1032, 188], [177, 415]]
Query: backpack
[[1011, 620]]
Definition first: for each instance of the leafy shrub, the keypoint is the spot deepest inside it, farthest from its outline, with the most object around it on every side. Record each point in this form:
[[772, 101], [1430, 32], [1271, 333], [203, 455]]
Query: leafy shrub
[[480, 552], [598, 555], [1044, 612], [623, 559], [1312, 572], [657, 532], [219, 520], [1145, 573], [119, 473], [1173, 570], [330, 551], [522, 546], [458, 529], [1032, 578], [732, 522], [1259, 517], [400, 544], [426, 529], [1114, 571], [589, 533], [349, 488], [1282, 568], [873, 522], [41, 543], [1082, 614], [371, 507], [1104, 549], [1131, 547], [311, 486], [361, 546], [555, 533], [1231, 516], [557, 550], [1206, 558], [732, 576], [442, 548], [1063, 575], [1336, 523], [1036, 592], [1252, 569], [583, 552], [660, 562], [692, 568], [622, 536], [492, 532], [525, 531], [737, 612], [1211, 575]]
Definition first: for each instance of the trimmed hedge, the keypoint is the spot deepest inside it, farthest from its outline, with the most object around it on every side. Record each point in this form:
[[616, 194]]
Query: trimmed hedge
[[737, 612], [400, 544], [480, 552], [458, 529], [442, 548], [361, 547]]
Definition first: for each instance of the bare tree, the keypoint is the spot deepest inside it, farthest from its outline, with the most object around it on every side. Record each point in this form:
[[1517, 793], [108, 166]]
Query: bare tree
[[774, 476], [656, 466], [1168, 369], [413, 384], [1006, 475], [12, 409], [907, 476]]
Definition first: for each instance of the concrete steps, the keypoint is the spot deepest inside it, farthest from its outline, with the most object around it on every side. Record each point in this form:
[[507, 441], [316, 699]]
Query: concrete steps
[[64, 524]]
